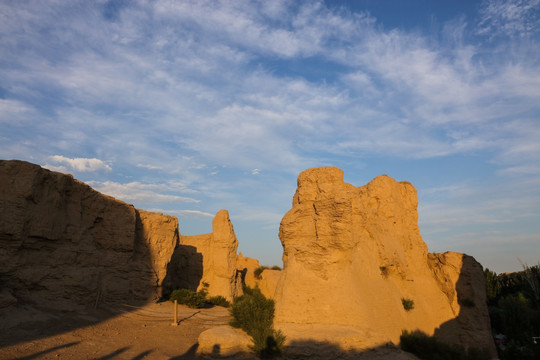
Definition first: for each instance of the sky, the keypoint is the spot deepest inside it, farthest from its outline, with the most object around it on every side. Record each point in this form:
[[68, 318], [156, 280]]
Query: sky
[[189, 107]]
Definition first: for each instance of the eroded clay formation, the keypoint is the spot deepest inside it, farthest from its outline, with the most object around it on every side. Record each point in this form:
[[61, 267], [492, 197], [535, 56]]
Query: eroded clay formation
[[64, 245], [351, 256], [218, 249]]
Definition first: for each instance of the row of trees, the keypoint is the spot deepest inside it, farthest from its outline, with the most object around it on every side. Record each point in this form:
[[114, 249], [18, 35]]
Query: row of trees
[[514, 309]]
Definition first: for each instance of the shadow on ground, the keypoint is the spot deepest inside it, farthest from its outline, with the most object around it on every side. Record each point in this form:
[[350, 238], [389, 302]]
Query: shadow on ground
[[72, 257], [314, 350]]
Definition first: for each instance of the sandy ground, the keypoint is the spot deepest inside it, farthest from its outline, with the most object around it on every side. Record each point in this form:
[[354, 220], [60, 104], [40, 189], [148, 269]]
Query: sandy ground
[[131, 333]]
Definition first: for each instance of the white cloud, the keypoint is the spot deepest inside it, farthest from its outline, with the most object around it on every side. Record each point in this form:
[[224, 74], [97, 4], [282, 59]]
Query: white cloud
[[149, 167], [255, 172], [514, 18], [520, 149], [185, 213], [460, 206], [15, 112], [521, 170], [192, 88], [78, 164], [140, 193]]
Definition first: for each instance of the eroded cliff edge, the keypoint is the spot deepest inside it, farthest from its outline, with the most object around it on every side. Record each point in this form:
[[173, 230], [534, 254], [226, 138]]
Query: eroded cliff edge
[[64, 245], [352, 255], [219, 258]]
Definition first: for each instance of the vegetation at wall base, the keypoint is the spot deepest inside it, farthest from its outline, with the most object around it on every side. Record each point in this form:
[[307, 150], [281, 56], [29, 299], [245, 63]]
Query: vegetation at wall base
[[514, 311], [428, 348], [219, 301], [189, 298], [254, 313], [197, 300], [258, 271]]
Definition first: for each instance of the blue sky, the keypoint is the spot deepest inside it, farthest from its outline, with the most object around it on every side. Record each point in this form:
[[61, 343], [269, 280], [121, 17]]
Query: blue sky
[[188, 107]]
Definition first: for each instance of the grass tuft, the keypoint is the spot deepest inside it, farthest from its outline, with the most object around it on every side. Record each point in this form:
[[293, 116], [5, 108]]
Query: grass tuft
[[408, 304]]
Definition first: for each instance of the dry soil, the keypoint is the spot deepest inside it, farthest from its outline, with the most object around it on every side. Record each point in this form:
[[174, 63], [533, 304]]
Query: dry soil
[[145, 332]]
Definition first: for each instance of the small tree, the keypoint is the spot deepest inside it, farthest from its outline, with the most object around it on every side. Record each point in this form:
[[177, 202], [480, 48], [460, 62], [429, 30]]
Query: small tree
[[493, 287], [532, 275], [254, 314], [516, 317]]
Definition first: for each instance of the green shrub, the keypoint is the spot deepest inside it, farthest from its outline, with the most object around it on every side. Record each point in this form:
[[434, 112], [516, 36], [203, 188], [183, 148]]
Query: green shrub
[[517, 351], [269, 344], [532, 277], [254, 314], [189, 297], [252, 311], [516, 317], [514, 310], [258, 271], [219, 301], [408, 304], [428, 348], [198, 299], [493, 287]]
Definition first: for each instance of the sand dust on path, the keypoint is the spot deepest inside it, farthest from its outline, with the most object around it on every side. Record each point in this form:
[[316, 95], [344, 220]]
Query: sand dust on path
[[144, 332]]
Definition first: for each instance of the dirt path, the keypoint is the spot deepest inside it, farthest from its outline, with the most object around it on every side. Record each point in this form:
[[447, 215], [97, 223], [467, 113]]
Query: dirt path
[[138, 333]]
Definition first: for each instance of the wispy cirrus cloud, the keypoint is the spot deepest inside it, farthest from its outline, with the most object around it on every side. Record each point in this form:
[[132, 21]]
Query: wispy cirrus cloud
[[141, 193], [514, 18], [189, 99], [16, 112], [184, 213], [221, 111]]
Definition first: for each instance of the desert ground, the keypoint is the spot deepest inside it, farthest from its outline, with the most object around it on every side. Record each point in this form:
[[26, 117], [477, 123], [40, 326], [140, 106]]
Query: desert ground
[[144, 332]]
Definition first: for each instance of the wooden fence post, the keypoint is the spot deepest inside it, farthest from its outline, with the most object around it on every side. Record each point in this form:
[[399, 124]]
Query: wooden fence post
[[175, 323]]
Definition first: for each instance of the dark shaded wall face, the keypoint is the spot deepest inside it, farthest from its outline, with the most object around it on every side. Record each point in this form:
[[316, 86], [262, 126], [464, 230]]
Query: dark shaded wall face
[[471, 327], [185, 270], [64, 245]]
